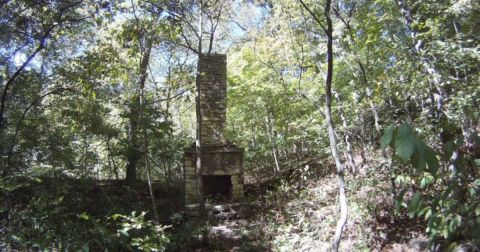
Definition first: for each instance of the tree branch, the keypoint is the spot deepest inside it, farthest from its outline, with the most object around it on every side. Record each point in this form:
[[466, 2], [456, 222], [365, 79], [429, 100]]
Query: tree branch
[[10, 81], [313, 16]]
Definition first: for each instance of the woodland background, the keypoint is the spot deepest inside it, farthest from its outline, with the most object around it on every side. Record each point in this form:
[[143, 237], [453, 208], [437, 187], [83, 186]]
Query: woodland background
[[98, 97]]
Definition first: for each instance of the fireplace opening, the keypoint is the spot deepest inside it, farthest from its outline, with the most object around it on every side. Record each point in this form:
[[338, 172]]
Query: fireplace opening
[[217, 187]]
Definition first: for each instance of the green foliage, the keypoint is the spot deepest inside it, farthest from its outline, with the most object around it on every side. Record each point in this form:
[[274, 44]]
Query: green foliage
[[410, 148], [267, 111], [72, 113], [449, 207], [59, 215], [404, 142], [144, 234]]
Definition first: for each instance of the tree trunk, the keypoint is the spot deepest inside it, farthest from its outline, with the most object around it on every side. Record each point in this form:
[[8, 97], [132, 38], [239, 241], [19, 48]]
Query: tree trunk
[[328, 29], [143, 77], [350, 160], [198, 142], [331, 132], [110, 158], [133, 153], [269, 126]]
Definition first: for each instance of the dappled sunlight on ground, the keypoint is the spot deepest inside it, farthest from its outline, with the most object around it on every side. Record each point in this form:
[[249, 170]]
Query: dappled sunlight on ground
[[304, 219]]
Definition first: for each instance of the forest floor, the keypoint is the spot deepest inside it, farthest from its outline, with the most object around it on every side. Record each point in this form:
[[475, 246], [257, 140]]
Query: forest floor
[[301, 216], [286, 213]]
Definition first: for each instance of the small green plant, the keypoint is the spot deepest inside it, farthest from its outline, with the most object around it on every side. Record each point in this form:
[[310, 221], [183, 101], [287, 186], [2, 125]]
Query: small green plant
[[143, 234]]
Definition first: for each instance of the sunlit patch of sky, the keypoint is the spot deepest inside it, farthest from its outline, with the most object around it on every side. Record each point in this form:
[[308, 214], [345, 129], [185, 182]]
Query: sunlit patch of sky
[[19, 59], [246, 17]]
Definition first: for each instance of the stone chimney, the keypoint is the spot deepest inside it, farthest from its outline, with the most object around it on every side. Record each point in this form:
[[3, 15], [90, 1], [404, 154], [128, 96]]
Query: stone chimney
[[213, 98], [222, 161]]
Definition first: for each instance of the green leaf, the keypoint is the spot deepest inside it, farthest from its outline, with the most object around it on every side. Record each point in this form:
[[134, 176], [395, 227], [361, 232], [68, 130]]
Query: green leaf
[[428, 214], [423, 211], [85, 247], [419, 160], [84, 216], [448, 149], [404, 141], [455, 223], [432, 160], [414, 205], [124, 231], [476, 182], [387, 137], [477, 162], [426, 181]]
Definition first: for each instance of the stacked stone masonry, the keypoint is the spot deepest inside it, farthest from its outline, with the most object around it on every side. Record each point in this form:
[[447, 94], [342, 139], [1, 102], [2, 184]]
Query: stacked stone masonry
[[213, 102], [219, 157]]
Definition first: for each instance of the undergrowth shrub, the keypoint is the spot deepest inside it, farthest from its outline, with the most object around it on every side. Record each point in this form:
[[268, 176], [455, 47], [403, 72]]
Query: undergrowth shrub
[[444, 185], [53, 218]]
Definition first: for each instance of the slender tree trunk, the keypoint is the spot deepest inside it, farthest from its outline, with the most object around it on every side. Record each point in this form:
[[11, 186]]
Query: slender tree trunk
[[328, 29], [143, 69], [350, 160], [268, 122], [376, 117], [198, 142], [254, 141], [364, 80], [373, 108], [133, 153], [386, 162], [362, 132], [331, 132], [115, 169], [145, 46], [147, 167]]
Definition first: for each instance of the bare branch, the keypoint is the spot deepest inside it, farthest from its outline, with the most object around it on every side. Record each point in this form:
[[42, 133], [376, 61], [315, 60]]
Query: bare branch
[[313, 16]]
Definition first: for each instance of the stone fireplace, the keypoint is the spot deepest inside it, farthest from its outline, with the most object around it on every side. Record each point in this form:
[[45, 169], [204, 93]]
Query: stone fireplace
[[222, 161]]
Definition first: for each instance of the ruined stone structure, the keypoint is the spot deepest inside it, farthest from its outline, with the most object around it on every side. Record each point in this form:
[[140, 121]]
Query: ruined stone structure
[[222, 161]]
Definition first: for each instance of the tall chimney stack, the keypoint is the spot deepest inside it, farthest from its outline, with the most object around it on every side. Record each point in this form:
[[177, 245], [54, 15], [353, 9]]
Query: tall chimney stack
[[213, 98]]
